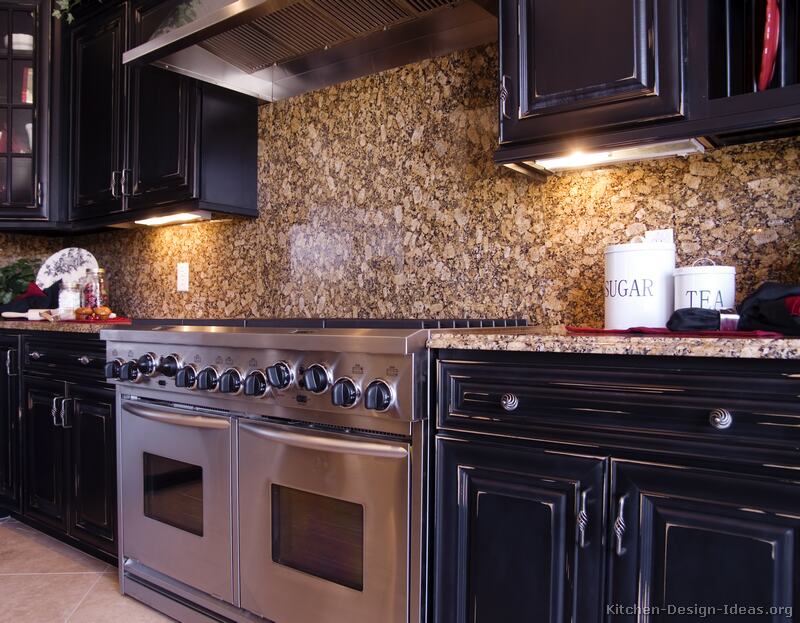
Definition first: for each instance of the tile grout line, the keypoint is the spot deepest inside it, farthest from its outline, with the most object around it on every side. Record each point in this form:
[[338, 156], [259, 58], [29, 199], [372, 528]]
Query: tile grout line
[[82, 599]]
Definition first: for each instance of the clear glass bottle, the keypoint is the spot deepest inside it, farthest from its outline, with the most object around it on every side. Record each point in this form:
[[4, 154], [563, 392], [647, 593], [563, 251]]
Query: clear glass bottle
[[94, 289], [69, 299]]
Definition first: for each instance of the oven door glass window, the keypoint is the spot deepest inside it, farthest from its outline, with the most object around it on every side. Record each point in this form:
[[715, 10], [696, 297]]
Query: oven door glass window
[[173, 492], [319, 535]]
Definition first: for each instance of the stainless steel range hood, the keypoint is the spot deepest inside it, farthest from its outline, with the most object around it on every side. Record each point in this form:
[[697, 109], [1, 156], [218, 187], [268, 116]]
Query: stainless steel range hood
[[274, 49]]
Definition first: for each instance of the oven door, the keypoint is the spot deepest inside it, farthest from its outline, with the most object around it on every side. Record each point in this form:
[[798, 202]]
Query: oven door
[[324, 525], [176, 495]]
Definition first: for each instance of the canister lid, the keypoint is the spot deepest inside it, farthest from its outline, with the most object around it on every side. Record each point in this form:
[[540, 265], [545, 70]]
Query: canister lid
[[640, 246], [705, 270]]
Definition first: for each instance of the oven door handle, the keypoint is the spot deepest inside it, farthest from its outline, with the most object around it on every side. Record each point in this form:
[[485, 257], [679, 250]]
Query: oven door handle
[[328, 444], [193, 421]]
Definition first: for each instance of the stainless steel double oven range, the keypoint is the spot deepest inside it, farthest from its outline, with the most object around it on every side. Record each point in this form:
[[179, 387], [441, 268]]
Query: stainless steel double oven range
[[274, 473]]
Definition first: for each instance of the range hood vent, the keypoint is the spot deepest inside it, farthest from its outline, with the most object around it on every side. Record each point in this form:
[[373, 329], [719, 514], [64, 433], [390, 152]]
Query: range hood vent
[[273, 49]]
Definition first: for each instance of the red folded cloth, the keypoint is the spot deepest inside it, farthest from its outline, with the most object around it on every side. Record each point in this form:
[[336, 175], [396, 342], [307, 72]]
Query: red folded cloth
[[33, 290], [117, 320], [664, 332], [792, 305]]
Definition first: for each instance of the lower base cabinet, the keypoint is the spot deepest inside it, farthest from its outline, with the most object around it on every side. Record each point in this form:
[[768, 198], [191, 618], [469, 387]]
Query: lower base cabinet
[[551, 508], [519, 534]]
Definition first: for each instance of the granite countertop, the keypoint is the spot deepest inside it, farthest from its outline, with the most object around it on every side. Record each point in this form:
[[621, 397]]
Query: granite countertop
[[64, 327], [557, 340]]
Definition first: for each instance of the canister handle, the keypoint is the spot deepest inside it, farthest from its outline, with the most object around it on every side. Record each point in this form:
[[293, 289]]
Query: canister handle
[[704, 259]]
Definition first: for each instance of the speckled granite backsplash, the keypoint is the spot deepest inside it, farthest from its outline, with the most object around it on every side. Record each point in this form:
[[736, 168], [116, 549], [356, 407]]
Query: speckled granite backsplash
[[379, 198]]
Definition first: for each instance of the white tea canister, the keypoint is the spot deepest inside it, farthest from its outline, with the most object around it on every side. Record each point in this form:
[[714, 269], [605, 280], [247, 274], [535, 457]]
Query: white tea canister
[[706, 286], [638, 286]]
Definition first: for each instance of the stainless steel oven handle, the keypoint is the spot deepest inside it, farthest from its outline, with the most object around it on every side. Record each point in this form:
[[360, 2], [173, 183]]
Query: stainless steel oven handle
[[193, 421], [328, 444]]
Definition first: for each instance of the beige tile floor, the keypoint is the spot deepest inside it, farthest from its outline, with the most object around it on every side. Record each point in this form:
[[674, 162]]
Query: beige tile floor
[[43, 580]]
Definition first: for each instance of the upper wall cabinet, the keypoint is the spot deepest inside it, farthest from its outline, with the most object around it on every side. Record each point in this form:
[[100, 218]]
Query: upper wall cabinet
[[25, 108], [146, 142], [635, 78], [583, 65]]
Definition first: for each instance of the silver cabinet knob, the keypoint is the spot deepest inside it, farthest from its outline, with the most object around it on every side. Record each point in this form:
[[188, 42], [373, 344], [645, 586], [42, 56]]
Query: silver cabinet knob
[[720, 419], [84, 360], [509, 402], [35, 355]]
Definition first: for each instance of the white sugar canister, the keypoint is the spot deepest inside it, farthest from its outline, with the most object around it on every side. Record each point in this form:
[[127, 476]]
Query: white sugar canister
[[638, 285], [705, 285]]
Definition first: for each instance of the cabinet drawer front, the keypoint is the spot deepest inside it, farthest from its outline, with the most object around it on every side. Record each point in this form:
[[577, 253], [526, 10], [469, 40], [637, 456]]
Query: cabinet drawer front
[[536, 399], [67, 357]]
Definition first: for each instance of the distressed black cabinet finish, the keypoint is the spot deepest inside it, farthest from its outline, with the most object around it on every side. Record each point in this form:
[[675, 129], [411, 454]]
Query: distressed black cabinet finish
[[27, 108], [90, 418], [149, 142], [9, 426], [680, 511], [581, 66], [519, 534], [98, 113], [683, 537], [44, 450]]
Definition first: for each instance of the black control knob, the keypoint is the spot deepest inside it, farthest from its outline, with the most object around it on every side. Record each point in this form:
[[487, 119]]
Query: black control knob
[[148, 364], [344, 393], [170, 365], [280, 375], [129, 371], [207, 379], [315, 378], [255, 384], [230, 382], [113, 368], [378, 396], [186, 377]]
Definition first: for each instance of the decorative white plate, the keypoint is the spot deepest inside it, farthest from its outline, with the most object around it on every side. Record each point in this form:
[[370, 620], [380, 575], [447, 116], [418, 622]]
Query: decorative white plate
[[69, 264]]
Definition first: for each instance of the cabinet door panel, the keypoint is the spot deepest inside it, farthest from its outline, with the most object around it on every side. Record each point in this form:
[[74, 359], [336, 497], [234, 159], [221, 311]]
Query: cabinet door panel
[[519, 534], [93, 508], [688, 537], [9, 430], [97, 114], [44, 453], [585, 65]]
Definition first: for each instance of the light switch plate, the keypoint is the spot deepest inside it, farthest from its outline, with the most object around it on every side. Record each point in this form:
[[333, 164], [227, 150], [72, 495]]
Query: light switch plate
[[183, 276]]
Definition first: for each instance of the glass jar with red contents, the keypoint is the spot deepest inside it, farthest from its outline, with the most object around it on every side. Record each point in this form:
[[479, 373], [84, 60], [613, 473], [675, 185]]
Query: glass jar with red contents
[[94, 289]]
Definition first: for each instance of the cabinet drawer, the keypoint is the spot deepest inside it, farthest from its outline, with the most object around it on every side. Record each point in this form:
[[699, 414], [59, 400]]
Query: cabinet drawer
[[64, 356], [678, 401]]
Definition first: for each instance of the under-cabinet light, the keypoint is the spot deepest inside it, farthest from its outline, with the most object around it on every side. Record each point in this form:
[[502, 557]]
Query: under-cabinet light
[[581, 160], [174, 219]]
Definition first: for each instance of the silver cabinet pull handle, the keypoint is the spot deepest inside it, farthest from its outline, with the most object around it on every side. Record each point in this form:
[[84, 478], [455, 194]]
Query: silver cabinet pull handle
[[583, 519], [54, 410], [178, 419], [509, 402], [504, 93], [35, 355], [720, 419], [84, 360], [115, 184], [619, 525], [8, 362], [63, 413]]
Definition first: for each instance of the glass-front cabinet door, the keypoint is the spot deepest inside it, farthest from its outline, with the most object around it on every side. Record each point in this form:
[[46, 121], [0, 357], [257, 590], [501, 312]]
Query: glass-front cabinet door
[[20, 110]]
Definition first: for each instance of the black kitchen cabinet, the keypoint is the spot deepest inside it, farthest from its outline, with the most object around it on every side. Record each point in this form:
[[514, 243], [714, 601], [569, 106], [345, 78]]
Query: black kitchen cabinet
[[689, 467], [90, 418], [9, 426], [149, 142], [28, 107], [581, 66], [519, 534], [44, 482], [683, 537], [65, 439], [98, 113]]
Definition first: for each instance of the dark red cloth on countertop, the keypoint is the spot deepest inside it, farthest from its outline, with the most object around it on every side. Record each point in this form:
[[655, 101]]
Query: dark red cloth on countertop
[[33, 290], [792, 305], [664, 332]]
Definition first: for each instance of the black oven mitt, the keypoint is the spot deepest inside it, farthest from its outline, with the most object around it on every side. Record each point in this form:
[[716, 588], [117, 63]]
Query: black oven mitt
[[48, 301], [765, 310]]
